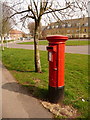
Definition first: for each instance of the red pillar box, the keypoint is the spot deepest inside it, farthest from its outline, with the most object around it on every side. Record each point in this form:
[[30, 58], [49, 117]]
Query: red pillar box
[[56, 50]]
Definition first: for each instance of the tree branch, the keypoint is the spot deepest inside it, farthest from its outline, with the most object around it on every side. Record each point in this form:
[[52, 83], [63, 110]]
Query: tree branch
[[30, 9], [27, 16], [55, 10], [18, 13], [46, 5], [35, 7]]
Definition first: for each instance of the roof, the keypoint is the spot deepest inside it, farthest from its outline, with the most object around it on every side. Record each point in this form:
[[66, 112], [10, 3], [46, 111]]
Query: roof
[[15, 32]]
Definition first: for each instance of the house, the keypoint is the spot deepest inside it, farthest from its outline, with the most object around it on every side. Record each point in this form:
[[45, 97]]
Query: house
[[15, 34], [73, 28]]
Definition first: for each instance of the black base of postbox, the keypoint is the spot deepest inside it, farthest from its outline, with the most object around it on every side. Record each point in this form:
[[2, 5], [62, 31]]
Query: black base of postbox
[[56, 94]]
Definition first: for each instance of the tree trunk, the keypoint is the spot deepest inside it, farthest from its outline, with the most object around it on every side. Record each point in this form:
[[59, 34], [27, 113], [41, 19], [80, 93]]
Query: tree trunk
[[36, 52], [2, 45]]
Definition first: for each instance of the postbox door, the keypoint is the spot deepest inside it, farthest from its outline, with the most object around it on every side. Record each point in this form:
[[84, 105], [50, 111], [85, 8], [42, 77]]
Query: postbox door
[[60, 49], [52, 57]]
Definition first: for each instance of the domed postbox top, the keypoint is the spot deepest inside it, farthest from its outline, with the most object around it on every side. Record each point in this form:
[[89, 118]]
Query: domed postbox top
[[57, 38]]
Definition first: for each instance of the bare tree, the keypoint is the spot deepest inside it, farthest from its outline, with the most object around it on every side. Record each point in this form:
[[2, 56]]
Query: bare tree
[[5, 24], [23, 35], [31, 27], [46, 10]]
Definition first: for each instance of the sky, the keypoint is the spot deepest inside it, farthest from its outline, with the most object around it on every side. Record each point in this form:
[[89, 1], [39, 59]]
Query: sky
[[89, 8], [43, 22]]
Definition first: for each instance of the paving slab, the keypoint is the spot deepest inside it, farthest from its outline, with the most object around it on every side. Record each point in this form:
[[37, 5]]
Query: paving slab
[[0, 91], [17, 101]]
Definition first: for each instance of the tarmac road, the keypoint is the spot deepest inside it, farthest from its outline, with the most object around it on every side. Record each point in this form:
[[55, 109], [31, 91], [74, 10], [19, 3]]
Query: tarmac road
[[68, 49]]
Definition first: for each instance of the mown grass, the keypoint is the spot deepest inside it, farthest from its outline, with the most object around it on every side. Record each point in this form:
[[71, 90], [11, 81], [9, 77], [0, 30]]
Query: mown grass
[[0, 54], [68, 43], [5, 41], [20, 63]]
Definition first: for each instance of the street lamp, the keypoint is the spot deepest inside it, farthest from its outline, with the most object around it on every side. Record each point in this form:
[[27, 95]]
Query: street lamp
[[79, 30], [88, 7]]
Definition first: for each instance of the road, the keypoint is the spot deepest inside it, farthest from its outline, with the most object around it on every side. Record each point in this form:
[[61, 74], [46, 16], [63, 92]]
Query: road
[[68, 49]]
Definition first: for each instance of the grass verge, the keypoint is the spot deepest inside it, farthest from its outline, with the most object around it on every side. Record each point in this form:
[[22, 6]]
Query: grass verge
[[5, 41], [68, 43], [20, 63]]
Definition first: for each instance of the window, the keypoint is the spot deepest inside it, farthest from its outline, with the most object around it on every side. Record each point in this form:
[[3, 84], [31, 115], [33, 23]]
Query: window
[[56, 26], [84, 36], [85, 30], [48, 27], [77, 30], [69, 36], [74, 24], [72, 31], [59, 26], [78, 24], [68, 31], [69, 25], [53, 26], [63, 25], [86, 24], [66, 25], [77, 36], [73, 36]]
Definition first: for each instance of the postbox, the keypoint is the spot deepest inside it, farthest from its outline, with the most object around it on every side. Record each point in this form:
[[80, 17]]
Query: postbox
[[56, 57]]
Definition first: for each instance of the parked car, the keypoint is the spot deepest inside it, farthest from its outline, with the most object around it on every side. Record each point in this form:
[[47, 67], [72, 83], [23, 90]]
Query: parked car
[[21, 38], [28, 38]]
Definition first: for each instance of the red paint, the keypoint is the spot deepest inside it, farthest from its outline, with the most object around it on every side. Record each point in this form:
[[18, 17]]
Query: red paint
[[56, 61]]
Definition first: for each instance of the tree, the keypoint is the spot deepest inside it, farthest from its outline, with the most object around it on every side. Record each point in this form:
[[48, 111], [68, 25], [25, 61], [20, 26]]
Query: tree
[[5, 24], [31, 27], [49, 9], [23, 35]]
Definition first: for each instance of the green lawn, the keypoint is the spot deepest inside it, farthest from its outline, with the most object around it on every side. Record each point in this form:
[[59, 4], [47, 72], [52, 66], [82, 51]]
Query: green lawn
[[42, 42], [68, 43], [20, 63], [7, 41]]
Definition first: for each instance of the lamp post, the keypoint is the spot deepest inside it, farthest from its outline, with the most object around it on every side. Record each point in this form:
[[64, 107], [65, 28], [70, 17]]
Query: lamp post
[[7, 42], [88, 7], [79, 30]]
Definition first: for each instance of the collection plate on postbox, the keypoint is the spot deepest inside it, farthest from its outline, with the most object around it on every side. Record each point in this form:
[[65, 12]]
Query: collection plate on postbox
[[51, 49], [50, 56]]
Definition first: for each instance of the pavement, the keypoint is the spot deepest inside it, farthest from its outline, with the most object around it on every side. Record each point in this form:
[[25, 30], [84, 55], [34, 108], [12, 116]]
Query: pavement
[[17, 101], [0, 92], [68, 49]]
